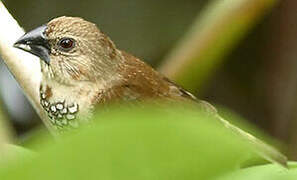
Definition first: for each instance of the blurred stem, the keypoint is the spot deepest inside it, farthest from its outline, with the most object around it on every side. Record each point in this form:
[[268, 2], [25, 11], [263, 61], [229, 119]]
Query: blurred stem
[[24, 66], [5, 129], [214, 34]]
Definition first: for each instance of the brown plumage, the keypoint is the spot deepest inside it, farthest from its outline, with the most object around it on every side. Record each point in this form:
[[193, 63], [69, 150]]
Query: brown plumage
[[82, 68], [104, 63]]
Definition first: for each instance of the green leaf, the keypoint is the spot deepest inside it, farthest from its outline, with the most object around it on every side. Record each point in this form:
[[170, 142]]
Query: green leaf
[[263, 172], [145, 142]]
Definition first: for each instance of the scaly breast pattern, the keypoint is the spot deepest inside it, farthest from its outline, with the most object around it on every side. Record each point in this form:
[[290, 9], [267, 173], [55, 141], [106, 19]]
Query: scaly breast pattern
[[61, 115]]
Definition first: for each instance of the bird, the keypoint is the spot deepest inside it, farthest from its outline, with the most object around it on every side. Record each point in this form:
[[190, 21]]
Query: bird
[[82, 68]]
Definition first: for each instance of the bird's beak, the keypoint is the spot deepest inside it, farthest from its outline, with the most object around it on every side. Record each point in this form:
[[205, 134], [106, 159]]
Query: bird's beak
[[35, 42]]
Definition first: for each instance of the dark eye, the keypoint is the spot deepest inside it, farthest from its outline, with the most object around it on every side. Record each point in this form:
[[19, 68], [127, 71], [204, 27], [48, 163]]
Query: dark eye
[[66, 44]]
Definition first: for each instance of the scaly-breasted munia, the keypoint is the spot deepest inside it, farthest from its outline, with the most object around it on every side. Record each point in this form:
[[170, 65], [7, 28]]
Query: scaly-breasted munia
[[81, 68]]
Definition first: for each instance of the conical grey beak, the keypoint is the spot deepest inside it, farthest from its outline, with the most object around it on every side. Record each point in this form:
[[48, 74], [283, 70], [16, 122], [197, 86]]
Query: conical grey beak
[[35, 42]]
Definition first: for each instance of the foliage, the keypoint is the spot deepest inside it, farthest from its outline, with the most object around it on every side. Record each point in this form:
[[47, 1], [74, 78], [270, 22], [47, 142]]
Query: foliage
[[271, 172], [153, 142]]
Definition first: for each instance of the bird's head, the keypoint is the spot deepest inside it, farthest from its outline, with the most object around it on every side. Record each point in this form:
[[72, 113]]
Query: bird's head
[[71, 50]]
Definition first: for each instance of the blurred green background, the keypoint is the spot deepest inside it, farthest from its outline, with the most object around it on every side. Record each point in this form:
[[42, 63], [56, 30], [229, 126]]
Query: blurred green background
[[256, 77]]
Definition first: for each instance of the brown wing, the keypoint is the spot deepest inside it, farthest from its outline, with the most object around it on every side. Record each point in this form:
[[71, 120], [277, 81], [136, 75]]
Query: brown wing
[[142, 82]]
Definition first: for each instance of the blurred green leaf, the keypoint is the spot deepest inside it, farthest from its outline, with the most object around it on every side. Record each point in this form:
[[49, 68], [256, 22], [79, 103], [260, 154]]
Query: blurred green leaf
[[150, 142], [243, 124], [11, 153], [269, 172]]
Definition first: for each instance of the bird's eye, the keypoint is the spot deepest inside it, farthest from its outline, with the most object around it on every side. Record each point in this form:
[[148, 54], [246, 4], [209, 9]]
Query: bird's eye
[[66, 44]]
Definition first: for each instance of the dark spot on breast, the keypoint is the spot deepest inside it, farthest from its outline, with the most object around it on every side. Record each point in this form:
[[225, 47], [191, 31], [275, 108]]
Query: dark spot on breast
[[48, 92]]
